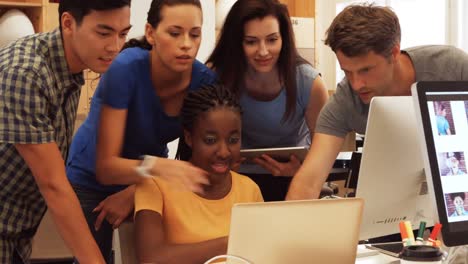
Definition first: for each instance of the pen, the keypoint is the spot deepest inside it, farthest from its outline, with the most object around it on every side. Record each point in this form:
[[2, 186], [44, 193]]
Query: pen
[[409, 231], [419, 238], [404, 234], [435, 231]]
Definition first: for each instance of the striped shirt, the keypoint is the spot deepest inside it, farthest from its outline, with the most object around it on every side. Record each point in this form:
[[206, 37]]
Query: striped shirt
[[38, 100]]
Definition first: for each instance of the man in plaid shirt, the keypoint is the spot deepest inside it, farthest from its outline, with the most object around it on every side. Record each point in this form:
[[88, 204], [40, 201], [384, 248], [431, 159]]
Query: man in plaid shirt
[[40, 80]]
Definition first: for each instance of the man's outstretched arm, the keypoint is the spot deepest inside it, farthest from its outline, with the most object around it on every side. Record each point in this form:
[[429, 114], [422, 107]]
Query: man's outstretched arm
[[309, 179], [48, 168]]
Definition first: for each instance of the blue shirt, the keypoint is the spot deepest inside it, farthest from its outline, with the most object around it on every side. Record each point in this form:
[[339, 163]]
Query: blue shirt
[[455, 213], [450, 172], [127, 85], [442, 125], [262, 125]]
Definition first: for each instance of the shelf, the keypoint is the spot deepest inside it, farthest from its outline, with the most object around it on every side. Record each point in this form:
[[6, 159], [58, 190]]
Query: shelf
[[20, 4], [34, 9]]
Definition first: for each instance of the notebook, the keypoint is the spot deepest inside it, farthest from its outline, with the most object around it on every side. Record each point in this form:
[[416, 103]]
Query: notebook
[[309, 231]]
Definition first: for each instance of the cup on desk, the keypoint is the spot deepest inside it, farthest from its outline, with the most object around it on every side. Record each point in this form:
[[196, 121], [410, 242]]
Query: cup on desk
[[421, 254]]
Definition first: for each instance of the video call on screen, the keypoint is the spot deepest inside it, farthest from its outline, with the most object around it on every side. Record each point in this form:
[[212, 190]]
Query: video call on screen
[[449, 124]]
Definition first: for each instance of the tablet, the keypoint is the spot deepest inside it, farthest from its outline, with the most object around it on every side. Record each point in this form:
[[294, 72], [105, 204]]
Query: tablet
[[279, 154], [442, 115]]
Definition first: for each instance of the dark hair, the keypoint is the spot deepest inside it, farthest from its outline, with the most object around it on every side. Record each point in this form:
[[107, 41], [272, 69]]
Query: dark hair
[[225, 57], [455, 155], [207, 98], [154, 17], [359, 29], [458, 194], [80, 8]]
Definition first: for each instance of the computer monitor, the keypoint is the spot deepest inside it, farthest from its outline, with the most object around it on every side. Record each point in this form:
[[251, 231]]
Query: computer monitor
[[391, 179], [442, 114]]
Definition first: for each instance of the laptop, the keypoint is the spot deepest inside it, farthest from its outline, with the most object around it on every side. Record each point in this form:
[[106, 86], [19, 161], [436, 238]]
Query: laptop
[[308, 231]]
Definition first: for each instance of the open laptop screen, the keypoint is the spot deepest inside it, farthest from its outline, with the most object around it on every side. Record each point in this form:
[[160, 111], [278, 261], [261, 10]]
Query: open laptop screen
[[307, 231], [442, 112]]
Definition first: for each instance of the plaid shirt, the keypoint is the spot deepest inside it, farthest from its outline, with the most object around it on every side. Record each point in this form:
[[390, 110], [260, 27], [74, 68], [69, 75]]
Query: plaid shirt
[[38, 100]]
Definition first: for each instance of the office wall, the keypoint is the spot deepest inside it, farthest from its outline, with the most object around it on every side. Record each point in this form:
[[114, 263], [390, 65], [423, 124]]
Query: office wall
[[303, 18], [300, 8]]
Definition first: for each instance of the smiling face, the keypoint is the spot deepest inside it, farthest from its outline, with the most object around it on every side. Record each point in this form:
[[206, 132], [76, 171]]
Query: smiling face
[[177, 37], [442, 112], [458, 202], [215, 141], [96, 41], [369, 75], [262, 43], [453, 163]]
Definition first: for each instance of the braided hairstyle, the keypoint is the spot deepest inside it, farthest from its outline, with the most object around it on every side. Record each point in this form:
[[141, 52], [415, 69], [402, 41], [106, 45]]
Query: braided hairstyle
[[207, 98]]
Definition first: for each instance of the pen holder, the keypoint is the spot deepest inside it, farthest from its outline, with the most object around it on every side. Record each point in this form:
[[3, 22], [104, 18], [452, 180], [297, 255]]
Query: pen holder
[[422, 254]]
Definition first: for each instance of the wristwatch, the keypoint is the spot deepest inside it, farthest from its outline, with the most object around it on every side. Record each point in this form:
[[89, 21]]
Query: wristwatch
[[146, 165]]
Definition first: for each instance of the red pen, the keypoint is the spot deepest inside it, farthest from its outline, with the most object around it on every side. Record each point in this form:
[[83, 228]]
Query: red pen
[[433, 236]]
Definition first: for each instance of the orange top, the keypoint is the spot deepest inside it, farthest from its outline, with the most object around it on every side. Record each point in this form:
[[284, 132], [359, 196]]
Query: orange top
[[189, 218]]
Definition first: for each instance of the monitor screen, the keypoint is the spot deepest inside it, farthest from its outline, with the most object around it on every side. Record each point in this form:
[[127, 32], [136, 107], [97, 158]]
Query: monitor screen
[[442, 109], [391, 175]]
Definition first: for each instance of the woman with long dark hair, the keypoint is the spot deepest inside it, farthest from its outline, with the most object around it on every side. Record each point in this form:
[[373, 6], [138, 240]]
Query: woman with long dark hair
[[134, 114], [281, 94]]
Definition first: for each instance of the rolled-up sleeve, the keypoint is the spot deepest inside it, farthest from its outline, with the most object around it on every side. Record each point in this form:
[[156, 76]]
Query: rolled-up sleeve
[[24, 117]]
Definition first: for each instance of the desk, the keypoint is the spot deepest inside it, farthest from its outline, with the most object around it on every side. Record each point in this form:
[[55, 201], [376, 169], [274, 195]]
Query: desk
[[376, 259]]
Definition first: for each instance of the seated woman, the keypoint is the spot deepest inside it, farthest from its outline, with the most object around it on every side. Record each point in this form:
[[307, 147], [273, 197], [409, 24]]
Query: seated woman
[[178, 226]]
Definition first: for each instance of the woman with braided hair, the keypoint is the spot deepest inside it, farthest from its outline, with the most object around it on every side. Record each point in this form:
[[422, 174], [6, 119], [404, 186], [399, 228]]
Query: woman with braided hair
[[182, 226], [134, 114]]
